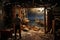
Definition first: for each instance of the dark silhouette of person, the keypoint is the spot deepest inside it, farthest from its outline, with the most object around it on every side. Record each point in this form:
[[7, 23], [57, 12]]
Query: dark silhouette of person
[[17, 26]]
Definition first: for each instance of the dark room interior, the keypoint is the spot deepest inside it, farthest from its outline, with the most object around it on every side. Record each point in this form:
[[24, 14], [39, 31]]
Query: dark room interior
[[30, 20]]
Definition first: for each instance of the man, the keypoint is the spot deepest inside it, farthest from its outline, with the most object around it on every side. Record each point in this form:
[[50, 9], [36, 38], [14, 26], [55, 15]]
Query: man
[[17, 26]]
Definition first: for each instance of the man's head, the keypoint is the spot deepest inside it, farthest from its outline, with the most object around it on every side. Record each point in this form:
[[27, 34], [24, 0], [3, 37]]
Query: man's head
[[16, 15]]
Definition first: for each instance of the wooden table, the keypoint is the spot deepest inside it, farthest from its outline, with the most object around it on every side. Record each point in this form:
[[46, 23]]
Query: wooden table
[[5, 34]]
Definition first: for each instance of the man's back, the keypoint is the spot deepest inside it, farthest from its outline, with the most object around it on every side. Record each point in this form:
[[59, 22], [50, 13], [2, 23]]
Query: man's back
[[17, 23]]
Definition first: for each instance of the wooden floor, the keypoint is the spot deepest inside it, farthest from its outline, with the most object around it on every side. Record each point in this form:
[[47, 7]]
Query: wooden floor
[[27, 35], [34, 36]]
